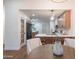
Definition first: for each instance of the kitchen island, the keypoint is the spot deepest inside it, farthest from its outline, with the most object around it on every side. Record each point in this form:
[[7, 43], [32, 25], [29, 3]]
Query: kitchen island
[[50, 39]]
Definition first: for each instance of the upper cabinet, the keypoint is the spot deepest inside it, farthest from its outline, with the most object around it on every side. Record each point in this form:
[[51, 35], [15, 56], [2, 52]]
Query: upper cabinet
[[67, 20]]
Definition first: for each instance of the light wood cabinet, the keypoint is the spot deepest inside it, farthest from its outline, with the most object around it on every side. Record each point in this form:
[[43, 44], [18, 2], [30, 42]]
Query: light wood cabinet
[[67, 19]]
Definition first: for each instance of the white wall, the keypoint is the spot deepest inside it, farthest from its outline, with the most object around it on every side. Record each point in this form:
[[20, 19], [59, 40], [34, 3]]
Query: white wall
[[38, 27], [11, 36], [52, 27], [12, 25], [45, 27]]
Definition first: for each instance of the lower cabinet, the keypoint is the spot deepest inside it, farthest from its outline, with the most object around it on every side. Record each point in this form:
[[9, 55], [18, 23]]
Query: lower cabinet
[[50, 40], [47, 40]]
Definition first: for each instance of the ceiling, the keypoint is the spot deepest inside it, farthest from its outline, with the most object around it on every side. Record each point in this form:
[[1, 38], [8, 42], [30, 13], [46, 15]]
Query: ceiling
[[42, 15]]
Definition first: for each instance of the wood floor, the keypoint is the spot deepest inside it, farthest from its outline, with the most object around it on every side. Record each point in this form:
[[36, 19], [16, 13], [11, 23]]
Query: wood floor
[[15, 54]]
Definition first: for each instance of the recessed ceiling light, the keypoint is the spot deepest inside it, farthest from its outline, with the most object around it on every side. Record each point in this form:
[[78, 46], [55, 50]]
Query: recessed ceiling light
[[52, 18], [33, 14]]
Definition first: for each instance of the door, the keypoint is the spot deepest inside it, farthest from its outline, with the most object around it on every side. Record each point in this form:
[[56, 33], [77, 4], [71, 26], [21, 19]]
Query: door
[[29, 30], [22, 31]]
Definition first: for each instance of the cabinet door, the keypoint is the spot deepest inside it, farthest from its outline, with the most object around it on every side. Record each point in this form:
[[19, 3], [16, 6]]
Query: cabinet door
[[67, 19], [43, 40], [48, 40]]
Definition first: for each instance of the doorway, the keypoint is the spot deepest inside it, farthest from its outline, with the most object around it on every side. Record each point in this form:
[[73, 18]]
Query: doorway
[[28, 31]]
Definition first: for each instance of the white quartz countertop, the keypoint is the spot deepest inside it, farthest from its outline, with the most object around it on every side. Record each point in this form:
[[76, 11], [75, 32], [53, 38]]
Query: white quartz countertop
[[44, 35]]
